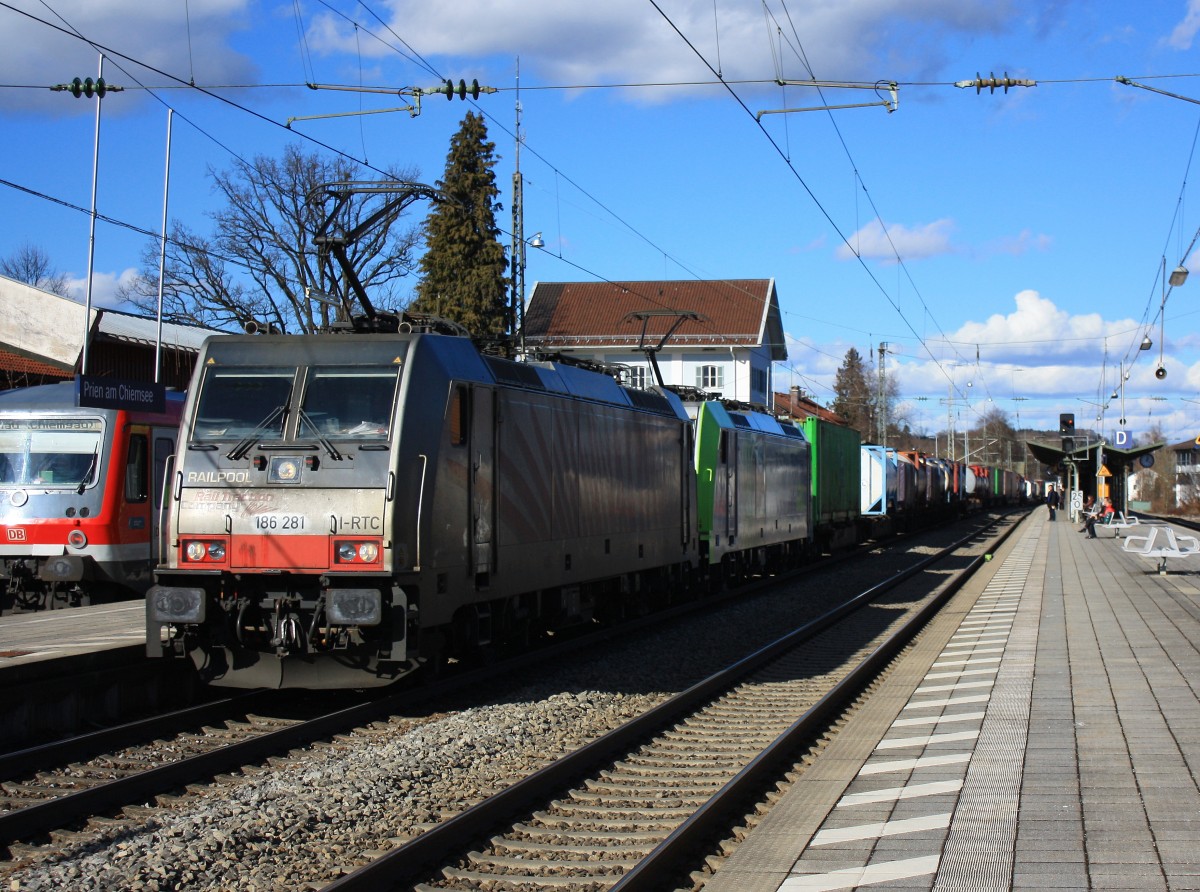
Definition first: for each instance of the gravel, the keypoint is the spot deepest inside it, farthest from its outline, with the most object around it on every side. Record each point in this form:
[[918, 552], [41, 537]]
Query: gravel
[[334, 806]]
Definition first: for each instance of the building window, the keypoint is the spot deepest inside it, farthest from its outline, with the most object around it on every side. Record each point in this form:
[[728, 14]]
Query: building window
[[758, 380], [636, 377], [709, 377], [1183, 458]]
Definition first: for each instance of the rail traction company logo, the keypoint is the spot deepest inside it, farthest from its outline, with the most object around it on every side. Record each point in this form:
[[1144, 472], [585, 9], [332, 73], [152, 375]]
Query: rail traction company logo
[[16, 534]]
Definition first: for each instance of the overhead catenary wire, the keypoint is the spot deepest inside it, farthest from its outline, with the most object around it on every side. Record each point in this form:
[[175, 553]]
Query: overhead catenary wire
[[917, 336]]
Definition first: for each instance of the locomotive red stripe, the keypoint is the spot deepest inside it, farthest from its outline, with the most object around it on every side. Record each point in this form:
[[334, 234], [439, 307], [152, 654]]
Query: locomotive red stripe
[[276, 552]]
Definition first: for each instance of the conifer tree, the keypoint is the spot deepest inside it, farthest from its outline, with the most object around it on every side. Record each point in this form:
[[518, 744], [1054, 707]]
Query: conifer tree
[[463, 269], [854, 400]]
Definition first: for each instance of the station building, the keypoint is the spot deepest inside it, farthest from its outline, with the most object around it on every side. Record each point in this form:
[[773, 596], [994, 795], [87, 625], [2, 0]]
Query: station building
[[42, 336]]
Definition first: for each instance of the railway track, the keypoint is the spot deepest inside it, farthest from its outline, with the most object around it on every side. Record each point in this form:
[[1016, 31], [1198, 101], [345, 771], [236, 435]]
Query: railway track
[[59, 784], [630, 823], [120, 800]]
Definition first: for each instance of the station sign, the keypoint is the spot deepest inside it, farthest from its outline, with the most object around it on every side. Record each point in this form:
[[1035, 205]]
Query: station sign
[[112, 393], [1124, 439]]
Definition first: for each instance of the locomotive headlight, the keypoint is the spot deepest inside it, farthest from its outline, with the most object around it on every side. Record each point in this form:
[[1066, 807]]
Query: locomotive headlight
[[197, 551], [77, 539], [354, 606], [175, 604], [356, 552]]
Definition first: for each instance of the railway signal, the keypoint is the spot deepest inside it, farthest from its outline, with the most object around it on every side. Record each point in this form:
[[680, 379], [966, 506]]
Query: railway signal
[[1066, 427]]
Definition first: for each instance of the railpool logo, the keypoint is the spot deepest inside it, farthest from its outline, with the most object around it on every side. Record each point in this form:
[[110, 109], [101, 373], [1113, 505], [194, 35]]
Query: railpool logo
[[218, 477]]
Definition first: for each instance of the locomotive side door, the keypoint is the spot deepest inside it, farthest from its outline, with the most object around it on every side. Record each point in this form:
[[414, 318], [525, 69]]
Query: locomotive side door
[[162, 451], [729, 461], [483, 481]]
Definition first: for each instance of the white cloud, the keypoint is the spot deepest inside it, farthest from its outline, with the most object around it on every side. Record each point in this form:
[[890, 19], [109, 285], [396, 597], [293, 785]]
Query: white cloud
[[1185, 32], [40, 48], [104, 287], [872, 241], [629, 41], [1039, 328], [1022, 243]]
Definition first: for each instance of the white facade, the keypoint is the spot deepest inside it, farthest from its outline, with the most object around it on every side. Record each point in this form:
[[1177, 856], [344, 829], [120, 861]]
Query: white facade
[[734, 373]]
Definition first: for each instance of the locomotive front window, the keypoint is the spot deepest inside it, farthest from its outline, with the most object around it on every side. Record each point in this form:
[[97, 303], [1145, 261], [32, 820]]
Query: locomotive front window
[[49, 451], [349, 402], [243, 402]]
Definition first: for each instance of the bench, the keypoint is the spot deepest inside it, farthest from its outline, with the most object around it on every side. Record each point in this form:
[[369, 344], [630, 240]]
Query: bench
[[1162, 544], [1120, 521]]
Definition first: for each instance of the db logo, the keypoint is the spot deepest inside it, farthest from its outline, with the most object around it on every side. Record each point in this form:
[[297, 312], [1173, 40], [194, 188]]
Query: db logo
[[16, 534]]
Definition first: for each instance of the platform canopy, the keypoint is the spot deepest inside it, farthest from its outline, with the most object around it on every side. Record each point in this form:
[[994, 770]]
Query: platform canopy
[[1085, 455]]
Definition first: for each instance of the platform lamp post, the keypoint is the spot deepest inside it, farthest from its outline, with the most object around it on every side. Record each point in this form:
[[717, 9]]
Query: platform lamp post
[[99, 89]]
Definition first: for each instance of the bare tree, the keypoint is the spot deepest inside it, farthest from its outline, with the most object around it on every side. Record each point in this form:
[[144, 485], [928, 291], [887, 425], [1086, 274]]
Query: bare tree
[[31, 265], [260, 261]]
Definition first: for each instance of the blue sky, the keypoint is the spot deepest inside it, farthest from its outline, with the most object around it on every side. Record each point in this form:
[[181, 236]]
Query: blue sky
[[1013, 241]]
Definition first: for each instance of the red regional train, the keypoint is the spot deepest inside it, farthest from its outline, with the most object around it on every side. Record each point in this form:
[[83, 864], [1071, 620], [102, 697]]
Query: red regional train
[[80, 495]]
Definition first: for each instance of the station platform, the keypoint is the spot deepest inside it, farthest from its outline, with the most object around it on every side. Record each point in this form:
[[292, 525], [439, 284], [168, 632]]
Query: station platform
[[100, 633], [1042, 733]]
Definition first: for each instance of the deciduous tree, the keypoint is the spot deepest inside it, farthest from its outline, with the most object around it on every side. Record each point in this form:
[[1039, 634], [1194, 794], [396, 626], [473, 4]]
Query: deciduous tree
[[260, 259], [31, 265]]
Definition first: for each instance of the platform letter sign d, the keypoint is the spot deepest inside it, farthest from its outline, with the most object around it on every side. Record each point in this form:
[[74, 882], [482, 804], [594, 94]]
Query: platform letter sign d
[[1123, 439]]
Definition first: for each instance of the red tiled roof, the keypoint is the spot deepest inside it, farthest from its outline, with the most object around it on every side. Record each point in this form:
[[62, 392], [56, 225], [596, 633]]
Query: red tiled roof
[[800, 407], [579, 314], [16, 364]]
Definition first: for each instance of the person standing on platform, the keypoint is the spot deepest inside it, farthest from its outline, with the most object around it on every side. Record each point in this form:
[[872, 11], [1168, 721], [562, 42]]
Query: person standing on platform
[[1052, 501]]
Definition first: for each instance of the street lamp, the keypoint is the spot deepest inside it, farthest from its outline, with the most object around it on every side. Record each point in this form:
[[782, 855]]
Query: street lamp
[[534, 241]]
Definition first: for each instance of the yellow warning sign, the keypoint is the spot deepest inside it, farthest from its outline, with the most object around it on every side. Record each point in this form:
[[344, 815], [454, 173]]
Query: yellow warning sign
[[1103, 472]]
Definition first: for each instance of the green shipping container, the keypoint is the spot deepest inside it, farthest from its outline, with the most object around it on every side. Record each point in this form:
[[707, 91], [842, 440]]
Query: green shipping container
[[836, 471]]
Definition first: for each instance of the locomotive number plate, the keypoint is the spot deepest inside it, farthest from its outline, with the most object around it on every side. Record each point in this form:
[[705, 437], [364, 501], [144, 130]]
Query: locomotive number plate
[[279, 521]]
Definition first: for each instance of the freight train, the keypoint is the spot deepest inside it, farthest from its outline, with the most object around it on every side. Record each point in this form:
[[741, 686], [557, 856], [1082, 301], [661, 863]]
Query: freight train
[[346, 509], [80, 497]]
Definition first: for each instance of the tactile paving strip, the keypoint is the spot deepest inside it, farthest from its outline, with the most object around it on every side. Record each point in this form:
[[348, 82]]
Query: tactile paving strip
[[951, 761]]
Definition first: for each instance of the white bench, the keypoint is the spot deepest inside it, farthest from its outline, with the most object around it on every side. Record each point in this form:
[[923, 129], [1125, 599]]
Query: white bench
[[1162, 544], [1120, 521]]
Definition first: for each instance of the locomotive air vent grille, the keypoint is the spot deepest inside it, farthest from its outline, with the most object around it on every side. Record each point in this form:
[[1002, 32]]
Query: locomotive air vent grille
[[645, 399], [515, 373]]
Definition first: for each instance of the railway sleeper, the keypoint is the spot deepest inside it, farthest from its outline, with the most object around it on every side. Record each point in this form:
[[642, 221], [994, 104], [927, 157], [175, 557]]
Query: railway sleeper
[[654, 767], [603, 810], [578, 833], [523, 865], [591, 848], [649, 797], [561, 882]]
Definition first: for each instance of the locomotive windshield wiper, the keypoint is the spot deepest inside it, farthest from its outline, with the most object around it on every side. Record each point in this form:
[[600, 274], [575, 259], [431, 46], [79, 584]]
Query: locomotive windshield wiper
[[329, 447], [240, 450]]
